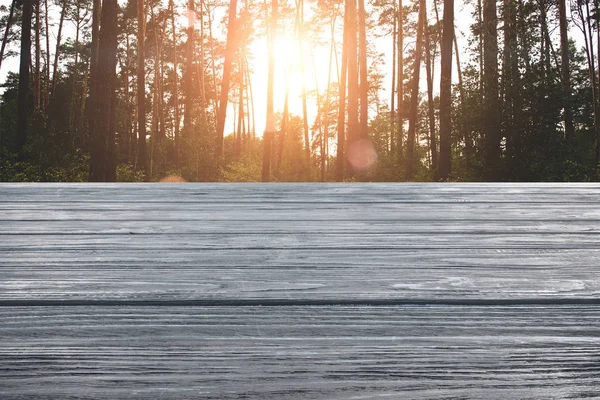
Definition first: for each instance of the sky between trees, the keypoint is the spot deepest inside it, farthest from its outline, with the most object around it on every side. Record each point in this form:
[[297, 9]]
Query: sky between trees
[[519, 105]]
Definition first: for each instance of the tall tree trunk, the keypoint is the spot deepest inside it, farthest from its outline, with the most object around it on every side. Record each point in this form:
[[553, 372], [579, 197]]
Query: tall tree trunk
[[400, 83], [238, 142], [188, 73], [353, 82], [565, 71], [23, 97], [127, 140], [414, 95], [362, 61], [75, 78], [46, 96], [430, 109], [141, 89], [63, 12], [491, 101], [230, 49], [213, 68], [102, 161], [270, 123], [300, 33], [201, 71], [393, 89], [284, 125], [341, 126], [446, 90], [175, 92], [251, 103], [94, 79], [7, 30], [464, 127], [325, 156], [37, 76]]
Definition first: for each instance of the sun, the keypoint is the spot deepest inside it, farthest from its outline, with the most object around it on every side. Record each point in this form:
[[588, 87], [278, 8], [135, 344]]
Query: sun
[[289, 77]]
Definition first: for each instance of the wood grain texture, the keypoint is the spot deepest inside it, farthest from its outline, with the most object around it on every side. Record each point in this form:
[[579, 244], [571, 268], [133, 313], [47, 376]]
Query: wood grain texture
[[151, 291], [300, 352]]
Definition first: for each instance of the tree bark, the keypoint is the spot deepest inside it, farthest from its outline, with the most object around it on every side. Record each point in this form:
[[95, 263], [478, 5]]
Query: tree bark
[[270, 123], [7, 31], [430, 109], [37, 76], [103, 161], [446, 90], [362, 61], [325, 155], [400, 83], [188, 73], [353, 79], [393, 89], [341, 126], [414, 95], [23, 97], [230, 49], [175, 92], [57, 51], [46, 96], [141, 89], [565, 71], [491, 126]]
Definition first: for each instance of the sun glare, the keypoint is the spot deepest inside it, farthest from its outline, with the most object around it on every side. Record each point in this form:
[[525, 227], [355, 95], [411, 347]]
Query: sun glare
[[288, 75]]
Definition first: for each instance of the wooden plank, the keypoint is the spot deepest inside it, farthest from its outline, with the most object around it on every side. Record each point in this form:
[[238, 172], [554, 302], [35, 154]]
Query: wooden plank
[[198, 212], [481, 226], [302, 192], [299, 352], [156, 273]]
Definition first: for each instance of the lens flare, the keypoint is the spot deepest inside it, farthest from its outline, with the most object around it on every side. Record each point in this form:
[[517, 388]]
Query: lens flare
[[172, 179], [362, 155]]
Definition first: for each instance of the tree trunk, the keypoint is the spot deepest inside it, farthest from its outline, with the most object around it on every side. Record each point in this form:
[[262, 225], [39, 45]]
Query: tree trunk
[[7, 31], [325, 155], [430, 110], [23, 98], [75, 77], [230, 49], [94, 79], [57, 51], [491, 116], [141, 89], [270, 123], [414, 95], [464, 128], [400, 83], [300, 33], [393, 89], [238, 142], [102, 161], [37, 76], [362, 58], [175, 92], [446, 90], [46, 97], [565, 71], [341, 126], [353, 81], [188, 73]]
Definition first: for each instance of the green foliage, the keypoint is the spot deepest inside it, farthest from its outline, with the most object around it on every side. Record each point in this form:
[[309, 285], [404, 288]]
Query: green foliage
[[127, 173], [248, 168]]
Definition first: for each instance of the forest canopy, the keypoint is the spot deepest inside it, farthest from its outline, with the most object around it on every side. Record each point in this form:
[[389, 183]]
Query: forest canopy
[[299, 90]]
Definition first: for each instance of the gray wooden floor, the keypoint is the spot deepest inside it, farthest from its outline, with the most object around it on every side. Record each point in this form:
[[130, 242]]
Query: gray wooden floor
[[299, 291]]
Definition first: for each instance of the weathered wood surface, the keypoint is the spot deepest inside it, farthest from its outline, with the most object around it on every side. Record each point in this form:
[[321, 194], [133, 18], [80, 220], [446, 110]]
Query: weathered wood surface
[[299, 291]]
